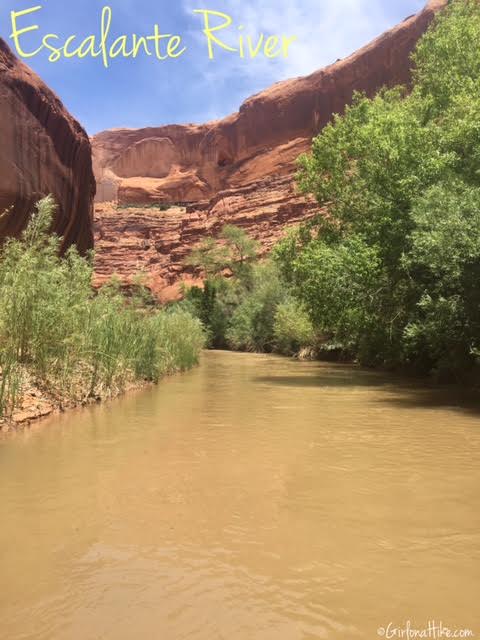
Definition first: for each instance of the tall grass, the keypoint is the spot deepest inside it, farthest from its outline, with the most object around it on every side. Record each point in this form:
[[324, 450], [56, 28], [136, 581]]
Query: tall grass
[[74, 342]]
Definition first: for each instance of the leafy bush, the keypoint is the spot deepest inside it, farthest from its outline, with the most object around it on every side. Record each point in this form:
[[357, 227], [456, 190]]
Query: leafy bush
[[292, 329], [251, 327], [214, 306], [242, 311]]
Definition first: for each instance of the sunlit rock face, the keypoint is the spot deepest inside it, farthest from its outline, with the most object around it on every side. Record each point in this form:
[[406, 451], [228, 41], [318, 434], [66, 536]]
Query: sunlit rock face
[[43, 151], [237, 170]]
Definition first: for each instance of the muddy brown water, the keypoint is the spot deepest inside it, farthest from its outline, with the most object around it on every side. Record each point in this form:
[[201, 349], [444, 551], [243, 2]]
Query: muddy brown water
[[254, 498]]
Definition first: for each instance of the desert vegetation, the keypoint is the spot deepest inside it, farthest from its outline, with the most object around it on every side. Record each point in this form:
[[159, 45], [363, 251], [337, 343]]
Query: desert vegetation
[[246, 304], [152, 206], [390, 276], [76, 344]]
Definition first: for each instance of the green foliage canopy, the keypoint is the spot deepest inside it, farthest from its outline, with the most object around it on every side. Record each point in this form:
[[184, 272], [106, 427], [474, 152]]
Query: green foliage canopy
[[391, 272]]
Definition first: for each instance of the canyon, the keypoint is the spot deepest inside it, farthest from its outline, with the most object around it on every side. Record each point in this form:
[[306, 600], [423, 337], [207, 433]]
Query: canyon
[[161, 190], [44, 150]]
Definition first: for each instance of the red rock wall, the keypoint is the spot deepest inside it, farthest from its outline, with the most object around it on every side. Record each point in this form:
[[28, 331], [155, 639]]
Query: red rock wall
[[43, 150], [189, 163], [237, 170], [135, 239]]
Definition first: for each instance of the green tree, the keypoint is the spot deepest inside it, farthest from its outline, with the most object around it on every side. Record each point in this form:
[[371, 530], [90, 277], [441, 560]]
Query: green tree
[[209, 257], [234, 250], [241, 251], [390, 272]]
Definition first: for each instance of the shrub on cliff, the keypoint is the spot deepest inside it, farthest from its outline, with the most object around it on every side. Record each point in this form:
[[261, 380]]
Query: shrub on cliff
[[391, 274], [234, 251], [76, 343]]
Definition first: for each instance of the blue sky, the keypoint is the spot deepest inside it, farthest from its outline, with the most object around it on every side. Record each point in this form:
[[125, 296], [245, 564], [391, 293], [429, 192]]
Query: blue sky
[[144, 91]]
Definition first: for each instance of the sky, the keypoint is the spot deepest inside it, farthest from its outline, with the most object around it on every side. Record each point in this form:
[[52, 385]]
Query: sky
[[146, 91]]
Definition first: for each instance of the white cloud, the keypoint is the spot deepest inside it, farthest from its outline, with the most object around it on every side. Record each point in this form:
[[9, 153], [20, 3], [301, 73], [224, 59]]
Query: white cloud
[[325, 29]]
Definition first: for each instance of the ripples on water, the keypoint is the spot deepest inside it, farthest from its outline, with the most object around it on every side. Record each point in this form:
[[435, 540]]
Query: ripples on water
[[254, 498]]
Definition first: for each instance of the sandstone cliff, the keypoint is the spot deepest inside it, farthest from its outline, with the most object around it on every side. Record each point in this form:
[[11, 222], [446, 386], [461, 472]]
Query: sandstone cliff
[[239, 169], [43, 150]]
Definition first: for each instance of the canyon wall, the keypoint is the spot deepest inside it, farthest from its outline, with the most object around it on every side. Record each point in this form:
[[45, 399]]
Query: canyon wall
[[237, 170], [43, 151]]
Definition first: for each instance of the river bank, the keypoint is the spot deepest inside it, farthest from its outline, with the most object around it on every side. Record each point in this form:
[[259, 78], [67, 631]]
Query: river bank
[[38, 404]]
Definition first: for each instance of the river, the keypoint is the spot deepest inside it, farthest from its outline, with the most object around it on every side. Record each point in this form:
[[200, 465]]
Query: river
[[253, 498]]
